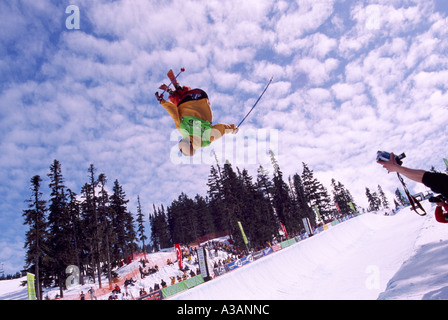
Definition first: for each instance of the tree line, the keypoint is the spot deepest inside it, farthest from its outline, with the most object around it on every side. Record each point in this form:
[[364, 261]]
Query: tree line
[[262, 204], [92, 230], [95, 231]]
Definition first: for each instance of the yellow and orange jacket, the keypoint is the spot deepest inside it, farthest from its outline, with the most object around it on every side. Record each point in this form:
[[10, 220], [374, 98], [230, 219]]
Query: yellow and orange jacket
[[199, 109]]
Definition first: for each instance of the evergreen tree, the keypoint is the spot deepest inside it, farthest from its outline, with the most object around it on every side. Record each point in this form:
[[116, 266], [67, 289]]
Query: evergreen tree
[[59, 240], [182, 220], [105, 227], [159, 229], [141, 228], [35, 238], [400, 198], [282, 202], [342, 197], [264, 184], [231, 204], [382, 198], [93, 212], [316, 194], [89, 226], [204, 216], [300, 200], [74, 212], [94, 233], [123, 222], [373, 200], [215, 199], [258, 215]]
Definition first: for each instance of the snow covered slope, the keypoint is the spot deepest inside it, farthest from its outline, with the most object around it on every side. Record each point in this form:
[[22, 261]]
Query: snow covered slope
[[363, 258], [368, 257], [11, 290]]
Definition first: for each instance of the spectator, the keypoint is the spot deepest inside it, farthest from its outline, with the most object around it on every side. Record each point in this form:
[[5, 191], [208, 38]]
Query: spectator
[[92, 293], [439, 213], [117, 289], [143, 292]]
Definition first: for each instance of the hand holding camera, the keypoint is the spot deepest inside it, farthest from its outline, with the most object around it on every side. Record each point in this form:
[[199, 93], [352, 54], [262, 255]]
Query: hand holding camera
[[389, 161], [383, 156]]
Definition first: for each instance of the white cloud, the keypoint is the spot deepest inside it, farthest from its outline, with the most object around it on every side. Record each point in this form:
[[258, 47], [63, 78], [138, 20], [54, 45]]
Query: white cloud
[[318, 72], [345, 91]]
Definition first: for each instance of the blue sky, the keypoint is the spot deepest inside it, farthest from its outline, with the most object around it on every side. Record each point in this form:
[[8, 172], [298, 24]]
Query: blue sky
[[350, 78]]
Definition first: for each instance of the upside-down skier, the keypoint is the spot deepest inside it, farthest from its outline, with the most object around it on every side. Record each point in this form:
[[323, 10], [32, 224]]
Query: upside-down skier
[[192, 115]]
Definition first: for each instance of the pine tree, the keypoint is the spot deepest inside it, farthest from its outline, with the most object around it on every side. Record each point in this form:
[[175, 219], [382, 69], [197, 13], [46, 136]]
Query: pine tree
[[231, 204], [96, 227], [373, 200], [258, 216], [89, 227], [94, 233], [342, 197], [282, 202], [400, 198], [59, 240], [300, 200], [216, 201], [74, 212], [383, 198], [316, 194], [159, 229], [264, 184], [35, 239], [204, 216], [123, 222], [105, 217], [141, 228]]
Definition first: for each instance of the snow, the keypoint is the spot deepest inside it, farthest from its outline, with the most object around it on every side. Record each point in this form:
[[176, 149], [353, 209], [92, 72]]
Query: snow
[[371, 256]]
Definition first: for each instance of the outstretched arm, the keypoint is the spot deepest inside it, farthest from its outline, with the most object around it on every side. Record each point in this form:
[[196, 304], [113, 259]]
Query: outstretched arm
[[393, 166], [220, 129]]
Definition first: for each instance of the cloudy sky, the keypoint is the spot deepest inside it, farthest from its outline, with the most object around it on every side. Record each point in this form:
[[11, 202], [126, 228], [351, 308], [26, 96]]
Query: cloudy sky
[[350, 77]]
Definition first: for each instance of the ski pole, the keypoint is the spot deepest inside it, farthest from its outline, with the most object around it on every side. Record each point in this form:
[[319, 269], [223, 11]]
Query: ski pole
[[172, 81], [256, 102]]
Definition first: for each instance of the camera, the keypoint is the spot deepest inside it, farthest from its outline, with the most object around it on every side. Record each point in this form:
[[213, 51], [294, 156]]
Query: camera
[[385, 156], [436, 199]]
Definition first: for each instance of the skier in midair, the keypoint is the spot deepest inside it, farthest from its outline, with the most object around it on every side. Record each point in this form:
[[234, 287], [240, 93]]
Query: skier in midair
[[192, 115]]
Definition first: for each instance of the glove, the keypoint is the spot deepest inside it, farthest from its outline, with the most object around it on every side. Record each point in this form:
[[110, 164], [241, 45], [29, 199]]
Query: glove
[[159, 97]]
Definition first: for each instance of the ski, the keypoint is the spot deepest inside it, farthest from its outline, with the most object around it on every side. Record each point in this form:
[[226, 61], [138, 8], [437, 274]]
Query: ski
[[173, 79]]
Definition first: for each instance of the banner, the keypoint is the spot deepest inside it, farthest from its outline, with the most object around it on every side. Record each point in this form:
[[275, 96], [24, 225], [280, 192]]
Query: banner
[[316, 209], [267, 251], [242, 233], [156, 295], [203, 264], [178, 254], [307, 225], [31, 287], [181, 286], [352, 206], [240, 262], [337, 206], [284, 230]]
